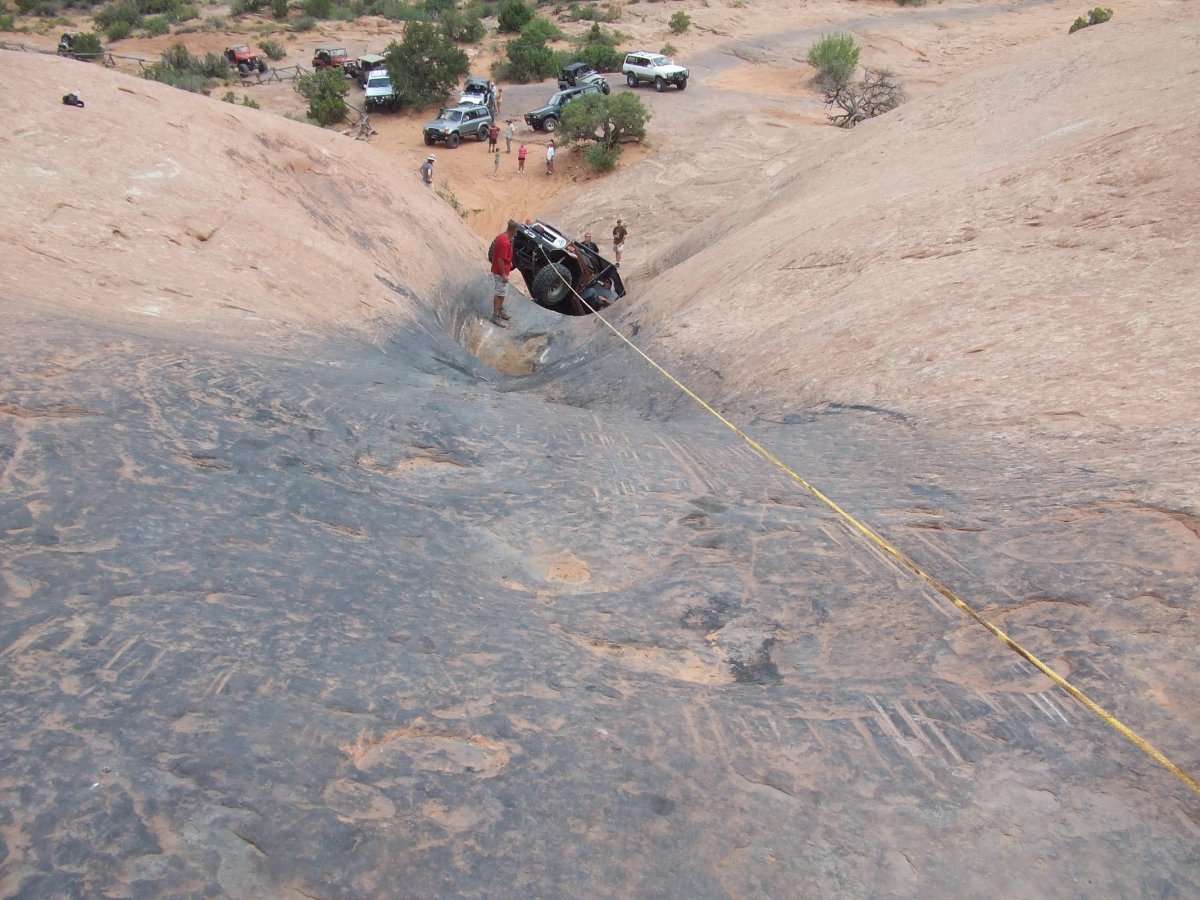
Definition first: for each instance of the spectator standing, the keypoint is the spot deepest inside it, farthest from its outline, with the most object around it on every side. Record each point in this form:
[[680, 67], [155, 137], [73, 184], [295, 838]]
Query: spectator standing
[[620, 232], [493, 136], [508, 136], [427, 170], [550, 153], [501, 267], [522, 152], [499, 97]]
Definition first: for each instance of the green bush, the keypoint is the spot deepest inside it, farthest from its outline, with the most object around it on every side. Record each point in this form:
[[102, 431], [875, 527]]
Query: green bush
[[272, 50], [7, 22], [527, 61], [180, 69], [679, 22], [229, 97], [425, 66], [600, 158], [156, 25], [1099, 14], [1079, 23], [590, 12], [304, 23], [605, 119], [538, 30], [835, 57], [279, 9], [324, 90], [462, 27], [669, 49], [513, 15], [118, 31], [88, 46], [186, 13], [253, 104]]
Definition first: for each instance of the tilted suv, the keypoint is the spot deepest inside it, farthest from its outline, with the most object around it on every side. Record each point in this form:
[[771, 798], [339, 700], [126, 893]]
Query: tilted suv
[[546, 118], [654, 68], [555, 269], [457, 122], [577, 73]]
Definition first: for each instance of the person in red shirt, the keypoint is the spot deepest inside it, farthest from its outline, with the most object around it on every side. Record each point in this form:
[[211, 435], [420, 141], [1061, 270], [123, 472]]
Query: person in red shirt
[[502, 263]]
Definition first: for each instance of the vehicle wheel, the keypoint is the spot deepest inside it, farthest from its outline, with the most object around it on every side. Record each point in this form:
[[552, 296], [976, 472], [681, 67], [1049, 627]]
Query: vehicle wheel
[[262, 66], [660, 84], [430, 141], [631, 80], [549, 288], [243, 69], [550, 124], [605, 88], [452, 140], [682, 84]]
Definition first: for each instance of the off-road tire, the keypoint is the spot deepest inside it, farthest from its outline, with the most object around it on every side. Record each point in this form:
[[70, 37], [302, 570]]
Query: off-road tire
[[631, 79], [682, 85], [452, 140], [660, 83], [262, 67], [429, 141], [548, 285], [549, 124], [604, 88], [481, 134], [243, 68]]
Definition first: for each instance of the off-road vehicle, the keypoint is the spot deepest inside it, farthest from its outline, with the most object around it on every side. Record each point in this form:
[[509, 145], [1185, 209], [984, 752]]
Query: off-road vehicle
[[457, 122], [330, 58], [244, 59], [579, 73], [546, 118], [555, 268], [478, 92], [654, 68], [68, 46], [379, 93], [360, 68]]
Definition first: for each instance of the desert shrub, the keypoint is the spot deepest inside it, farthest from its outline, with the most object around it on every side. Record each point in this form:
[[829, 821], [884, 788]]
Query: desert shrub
[[318, 9], [118, 31], [590, 12], [186, 13], [835, 57], [279, 9], [600, 158], [247, 101], [272, 50], [7, 22], [1094, 17], [540, 30], [156, 25], [669, 49], [304, 23], [126, 12], [527, 61], [513, 15], [324, 90], [88, 46], [229, 97], [877, 93], [605, 119], [462, 27], [597, 46], [180, 69], [679, 22], [910, 2], [425, 66], [240, 7]]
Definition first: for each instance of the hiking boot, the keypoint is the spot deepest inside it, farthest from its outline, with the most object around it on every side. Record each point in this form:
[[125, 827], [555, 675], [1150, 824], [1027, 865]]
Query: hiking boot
[[504, 314], [498, 322]]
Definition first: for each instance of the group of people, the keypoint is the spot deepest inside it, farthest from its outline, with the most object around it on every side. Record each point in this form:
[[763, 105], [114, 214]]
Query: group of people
[[502, 263]]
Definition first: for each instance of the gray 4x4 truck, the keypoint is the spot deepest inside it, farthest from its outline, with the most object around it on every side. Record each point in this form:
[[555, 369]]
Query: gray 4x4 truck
[[457, 122], [546, 118], [580, 73], [654, 68]]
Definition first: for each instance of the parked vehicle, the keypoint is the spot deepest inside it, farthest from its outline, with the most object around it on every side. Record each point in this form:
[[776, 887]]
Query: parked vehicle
[[330, 58], [654, 68], [555, 268], [244, 59], [457, 122], [546, 118], [478, 91], [360, 68], [580, 73], [379, 93]]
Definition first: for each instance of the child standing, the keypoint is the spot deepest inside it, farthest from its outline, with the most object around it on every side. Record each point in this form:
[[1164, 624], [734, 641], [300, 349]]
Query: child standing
[[496, 163], [522, 152]]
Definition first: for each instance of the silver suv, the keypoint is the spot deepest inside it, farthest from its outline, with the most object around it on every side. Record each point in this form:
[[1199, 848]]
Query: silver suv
[[655, 68], [457, 122]]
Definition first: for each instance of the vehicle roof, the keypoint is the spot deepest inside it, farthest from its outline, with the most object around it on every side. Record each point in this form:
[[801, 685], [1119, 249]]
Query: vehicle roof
[[334, 50], [372, 57], [578, 65]]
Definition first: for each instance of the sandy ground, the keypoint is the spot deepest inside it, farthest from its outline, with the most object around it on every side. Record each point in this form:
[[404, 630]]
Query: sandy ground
[[302, 594]]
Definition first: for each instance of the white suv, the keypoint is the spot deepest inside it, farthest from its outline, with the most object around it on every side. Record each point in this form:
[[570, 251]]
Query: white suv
[[654, 67]]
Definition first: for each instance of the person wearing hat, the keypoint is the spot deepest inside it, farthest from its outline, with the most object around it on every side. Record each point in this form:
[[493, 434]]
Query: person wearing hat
[[620, 232], [550, 158], [427, 170]]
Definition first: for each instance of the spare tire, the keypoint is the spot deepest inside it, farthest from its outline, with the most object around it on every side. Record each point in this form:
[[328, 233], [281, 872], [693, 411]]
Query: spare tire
[[552, 284]]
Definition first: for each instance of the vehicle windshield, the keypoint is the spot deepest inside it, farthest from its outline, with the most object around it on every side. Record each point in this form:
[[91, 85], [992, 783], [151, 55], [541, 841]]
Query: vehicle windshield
[[451, 115], [659, 61], [559, 98], [240, 48], [338, 51]]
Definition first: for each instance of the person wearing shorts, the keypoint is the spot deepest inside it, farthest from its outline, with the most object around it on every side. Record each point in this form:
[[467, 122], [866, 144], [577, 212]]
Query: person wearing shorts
[[620, 232], [501, 267]]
